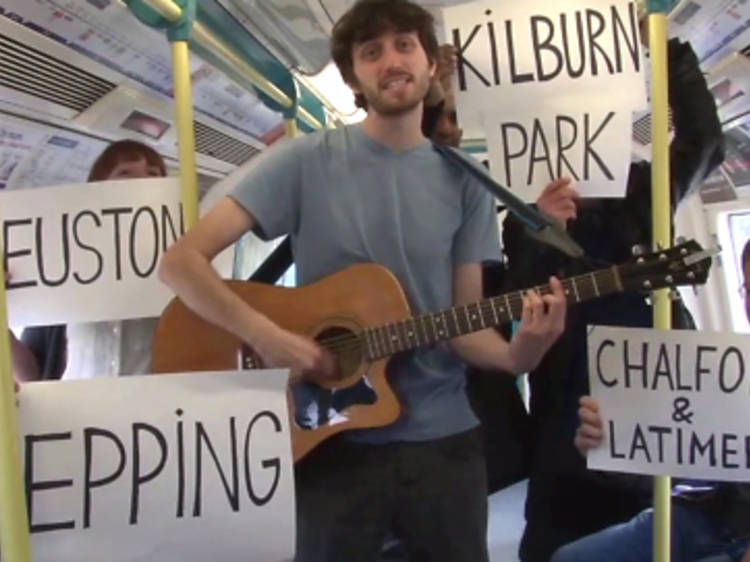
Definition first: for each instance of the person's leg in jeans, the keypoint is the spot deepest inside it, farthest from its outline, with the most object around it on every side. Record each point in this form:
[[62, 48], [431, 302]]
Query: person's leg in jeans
[[442, 499], [344, 502], [694, 536]]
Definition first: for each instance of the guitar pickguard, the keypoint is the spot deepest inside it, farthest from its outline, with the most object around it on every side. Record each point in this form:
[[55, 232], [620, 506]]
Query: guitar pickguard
[[317, 406]]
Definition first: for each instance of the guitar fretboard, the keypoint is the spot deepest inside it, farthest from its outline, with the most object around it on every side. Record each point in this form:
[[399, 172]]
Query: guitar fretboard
[[428, 329]]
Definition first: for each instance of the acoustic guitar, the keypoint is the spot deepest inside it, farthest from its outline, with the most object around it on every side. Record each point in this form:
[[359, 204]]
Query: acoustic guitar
[[361, 315]]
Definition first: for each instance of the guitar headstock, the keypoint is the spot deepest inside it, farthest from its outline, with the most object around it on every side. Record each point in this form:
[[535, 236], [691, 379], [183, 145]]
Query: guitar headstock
[[685, 264]]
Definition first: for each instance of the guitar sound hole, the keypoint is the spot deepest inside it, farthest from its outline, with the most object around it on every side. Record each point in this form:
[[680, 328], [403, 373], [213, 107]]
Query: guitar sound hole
[[346, 347], [316, 406]]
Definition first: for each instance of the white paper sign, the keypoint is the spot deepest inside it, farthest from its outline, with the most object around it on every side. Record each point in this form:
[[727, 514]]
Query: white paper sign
[[673, 402], [512, 52], [552, 88], [174, 468], [531, 147], [89, 252]]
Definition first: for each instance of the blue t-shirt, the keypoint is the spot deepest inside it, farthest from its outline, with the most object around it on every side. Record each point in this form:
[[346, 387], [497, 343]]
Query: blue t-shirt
[[346, 199]]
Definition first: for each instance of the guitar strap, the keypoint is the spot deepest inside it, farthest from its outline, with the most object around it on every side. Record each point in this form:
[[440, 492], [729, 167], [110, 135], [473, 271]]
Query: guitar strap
[[538, 225]]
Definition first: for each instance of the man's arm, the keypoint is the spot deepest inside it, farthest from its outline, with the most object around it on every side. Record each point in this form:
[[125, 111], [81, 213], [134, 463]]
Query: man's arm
[[186, 268], [542, 321]]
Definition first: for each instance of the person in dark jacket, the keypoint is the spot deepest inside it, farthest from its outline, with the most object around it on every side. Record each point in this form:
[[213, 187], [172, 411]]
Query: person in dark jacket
[[566, 501], [708, 518]]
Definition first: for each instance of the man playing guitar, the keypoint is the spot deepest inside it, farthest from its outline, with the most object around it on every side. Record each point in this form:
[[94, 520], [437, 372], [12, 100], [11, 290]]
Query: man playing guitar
[[377, 192]]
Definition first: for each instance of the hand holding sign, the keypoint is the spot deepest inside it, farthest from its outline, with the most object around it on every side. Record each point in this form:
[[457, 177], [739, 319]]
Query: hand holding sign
[[590, 432], [691, 389], [558, 201]]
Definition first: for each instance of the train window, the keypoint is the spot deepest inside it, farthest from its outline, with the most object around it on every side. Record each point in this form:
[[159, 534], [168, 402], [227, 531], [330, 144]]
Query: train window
[[734, 232]]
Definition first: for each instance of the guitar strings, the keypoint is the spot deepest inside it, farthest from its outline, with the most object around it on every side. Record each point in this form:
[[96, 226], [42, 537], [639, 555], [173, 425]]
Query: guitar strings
[[351, 342]]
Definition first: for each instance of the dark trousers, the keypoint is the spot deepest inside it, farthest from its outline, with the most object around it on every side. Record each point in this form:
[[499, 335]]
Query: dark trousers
[[432, 495]]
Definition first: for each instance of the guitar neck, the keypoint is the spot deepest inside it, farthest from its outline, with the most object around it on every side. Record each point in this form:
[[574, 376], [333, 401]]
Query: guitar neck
[[428, 329]]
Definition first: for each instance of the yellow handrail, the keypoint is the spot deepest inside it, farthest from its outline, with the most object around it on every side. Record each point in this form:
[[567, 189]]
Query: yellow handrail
[[662, 238], [166, 8], [14, 526], [183, 100], [242, 72]]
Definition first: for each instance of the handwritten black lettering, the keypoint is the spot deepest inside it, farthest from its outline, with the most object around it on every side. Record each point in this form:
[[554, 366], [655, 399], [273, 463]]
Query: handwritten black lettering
[[180, 465], [274, 463], [589, 151], [515, 77], [629, 36], [462, 61], [574, 72], [542, 45], [639, 444], [15, 283], [116, 212], [702, 449], [134, 243], [727, 451], [663, 369], [700, 370], [612, 446], [232, 492], [139, 479], [505, 129], [32, 485], [562, 146], [100, 260], [65, 253], [740, 372], [660, 432], [595, 20], [89, 483], [640, 366], [538, 133]]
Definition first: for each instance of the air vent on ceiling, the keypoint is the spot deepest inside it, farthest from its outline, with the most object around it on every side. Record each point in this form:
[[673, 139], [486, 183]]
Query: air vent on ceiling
[[642, 129], [221, 146], [38, 74]]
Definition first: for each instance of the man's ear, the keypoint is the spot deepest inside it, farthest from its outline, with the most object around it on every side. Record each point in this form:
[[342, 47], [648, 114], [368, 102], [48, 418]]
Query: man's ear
[[433, 68]]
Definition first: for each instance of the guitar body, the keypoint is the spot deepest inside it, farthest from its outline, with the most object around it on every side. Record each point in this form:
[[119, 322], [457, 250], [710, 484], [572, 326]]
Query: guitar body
[[338, 306], [361, 315]]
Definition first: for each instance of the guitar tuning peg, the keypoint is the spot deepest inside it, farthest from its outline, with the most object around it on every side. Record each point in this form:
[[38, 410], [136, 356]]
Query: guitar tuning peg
[[638, 250], [680, 240]]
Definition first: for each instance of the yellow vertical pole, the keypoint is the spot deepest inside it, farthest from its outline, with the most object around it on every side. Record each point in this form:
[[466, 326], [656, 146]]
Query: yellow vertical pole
[[183, 101], [661, 218], [14, 520], [290, 125]]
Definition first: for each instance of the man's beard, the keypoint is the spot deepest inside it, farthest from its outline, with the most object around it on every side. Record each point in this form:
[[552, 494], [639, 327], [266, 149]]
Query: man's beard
[[378, 101]]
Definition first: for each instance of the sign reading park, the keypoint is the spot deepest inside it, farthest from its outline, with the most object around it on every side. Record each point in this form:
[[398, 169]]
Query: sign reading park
[[551, 87]]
